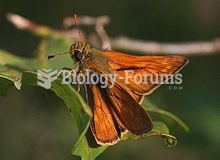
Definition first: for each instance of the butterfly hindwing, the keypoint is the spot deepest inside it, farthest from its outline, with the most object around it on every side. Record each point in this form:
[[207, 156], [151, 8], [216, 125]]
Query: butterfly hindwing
[[114, 111], [131, 114], [104, 126]]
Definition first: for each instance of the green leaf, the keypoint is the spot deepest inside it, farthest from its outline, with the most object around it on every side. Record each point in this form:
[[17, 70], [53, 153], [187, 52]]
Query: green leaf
[[11, 67], [159, 129], [11, 61], [5, 84], [12, 75], [80, 112], [51, 45], [85, 147]]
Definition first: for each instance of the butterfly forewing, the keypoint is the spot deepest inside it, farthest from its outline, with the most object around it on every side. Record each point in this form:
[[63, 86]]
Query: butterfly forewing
[[143, 65]]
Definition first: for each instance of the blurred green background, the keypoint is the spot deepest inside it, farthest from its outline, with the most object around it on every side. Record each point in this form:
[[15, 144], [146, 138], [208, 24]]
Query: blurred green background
[[34, 123]]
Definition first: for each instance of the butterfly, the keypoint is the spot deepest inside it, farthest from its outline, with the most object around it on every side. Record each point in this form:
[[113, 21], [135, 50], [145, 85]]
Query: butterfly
[[118, 109]]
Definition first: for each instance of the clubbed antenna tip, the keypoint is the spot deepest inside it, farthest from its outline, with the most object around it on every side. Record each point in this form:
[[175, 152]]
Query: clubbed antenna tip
[[50, 56]]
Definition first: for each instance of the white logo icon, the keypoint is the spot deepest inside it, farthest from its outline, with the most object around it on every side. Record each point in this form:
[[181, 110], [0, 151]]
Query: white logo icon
[[45, 77]]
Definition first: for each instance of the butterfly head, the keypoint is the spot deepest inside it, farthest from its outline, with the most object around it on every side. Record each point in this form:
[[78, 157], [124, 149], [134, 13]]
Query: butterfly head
[[79, 50]]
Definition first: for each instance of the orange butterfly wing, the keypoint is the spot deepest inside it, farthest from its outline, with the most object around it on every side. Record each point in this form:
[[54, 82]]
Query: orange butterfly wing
[[115, 110], [103, 125], [120, 62], [131, 114]]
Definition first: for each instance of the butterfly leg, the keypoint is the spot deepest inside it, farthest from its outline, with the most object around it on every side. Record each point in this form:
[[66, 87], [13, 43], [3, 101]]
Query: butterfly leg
[[74, 71], [78, 87], [86, 93], [83, 70]]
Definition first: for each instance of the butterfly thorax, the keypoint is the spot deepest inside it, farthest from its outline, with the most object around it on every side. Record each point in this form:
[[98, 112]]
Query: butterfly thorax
[[88, 57]]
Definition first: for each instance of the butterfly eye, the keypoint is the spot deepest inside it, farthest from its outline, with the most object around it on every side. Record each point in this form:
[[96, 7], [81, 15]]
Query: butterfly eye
[[78, 55]]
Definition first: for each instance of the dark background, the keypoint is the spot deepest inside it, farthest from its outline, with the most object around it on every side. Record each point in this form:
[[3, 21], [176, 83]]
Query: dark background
[[34, 123]]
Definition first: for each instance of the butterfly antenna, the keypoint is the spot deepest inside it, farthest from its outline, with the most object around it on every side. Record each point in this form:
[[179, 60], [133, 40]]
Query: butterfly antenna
[[55, 55], [76, 23]]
